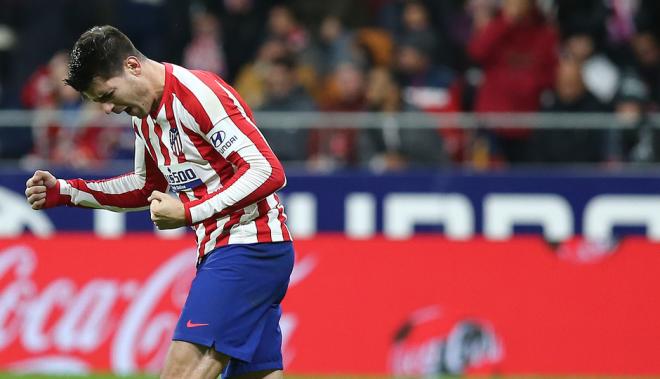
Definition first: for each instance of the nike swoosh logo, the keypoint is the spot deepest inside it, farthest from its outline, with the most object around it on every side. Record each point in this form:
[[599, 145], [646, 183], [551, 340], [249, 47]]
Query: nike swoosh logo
[[190, 324]]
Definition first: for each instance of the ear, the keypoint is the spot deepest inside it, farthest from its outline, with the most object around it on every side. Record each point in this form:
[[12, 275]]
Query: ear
[[133, 65]]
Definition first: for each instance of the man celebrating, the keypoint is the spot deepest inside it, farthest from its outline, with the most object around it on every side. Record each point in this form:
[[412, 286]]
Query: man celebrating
[[195, 135]]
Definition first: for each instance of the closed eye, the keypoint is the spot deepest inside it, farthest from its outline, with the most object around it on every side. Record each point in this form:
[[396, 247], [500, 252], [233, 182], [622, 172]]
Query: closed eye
[[105, 97]]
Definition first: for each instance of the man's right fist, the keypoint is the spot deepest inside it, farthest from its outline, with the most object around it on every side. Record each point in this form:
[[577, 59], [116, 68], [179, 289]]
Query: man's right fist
[[36, 186]]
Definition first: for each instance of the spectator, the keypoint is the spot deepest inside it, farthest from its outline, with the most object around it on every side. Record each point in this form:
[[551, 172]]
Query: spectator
[[635, 143], [204, 51], [425, 86], [600, 74], [391, 147], [335, 44], [243, 24], [143, 21], [285, 93], [517, 50], [44, 90], [283, 25], [583, 18], [568, 145], [332, 148], [646, 62], [69, 138], [251, 80], [417, 23]]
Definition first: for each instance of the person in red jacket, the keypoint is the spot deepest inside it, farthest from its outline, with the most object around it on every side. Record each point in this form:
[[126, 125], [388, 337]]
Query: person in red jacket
[[517, 50]]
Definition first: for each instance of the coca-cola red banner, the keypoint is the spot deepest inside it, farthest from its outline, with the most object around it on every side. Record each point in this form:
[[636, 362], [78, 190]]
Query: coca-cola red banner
[[425, 305]]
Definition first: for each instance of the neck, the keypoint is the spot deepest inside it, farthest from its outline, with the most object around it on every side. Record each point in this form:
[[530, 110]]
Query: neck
[[154, 72]]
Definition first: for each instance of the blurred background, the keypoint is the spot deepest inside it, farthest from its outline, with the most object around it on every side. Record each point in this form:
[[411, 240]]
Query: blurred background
[[473, 184]]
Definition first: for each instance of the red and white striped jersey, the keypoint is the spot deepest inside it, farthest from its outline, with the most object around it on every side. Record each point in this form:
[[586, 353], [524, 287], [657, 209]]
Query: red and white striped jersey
[[203, 144]]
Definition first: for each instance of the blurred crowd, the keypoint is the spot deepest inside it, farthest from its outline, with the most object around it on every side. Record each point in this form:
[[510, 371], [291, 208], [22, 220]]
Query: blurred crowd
[[369, 55]]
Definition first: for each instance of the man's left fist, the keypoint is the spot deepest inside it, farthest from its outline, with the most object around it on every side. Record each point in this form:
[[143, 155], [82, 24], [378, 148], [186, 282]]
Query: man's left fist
[[166, 211]]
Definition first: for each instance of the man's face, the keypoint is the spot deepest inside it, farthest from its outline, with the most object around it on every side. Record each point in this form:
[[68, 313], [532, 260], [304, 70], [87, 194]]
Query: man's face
[[122, 93]]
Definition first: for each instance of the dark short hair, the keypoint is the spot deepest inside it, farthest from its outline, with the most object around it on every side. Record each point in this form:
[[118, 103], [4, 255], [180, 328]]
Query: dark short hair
[[101, 52]]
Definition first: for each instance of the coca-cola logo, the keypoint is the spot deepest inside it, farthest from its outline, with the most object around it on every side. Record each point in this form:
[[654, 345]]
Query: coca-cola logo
[[432, 342], [53, 323], [62, 325]]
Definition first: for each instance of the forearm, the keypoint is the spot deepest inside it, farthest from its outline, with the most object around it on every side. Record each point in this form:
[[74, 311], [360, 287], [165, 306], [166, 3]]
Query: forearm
[[252, 183], [124, 193]]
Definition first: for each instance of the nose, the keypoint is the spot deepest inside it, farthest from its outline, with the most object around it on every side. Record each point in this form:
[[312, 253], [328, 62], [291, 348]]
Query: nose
[[107, 107]]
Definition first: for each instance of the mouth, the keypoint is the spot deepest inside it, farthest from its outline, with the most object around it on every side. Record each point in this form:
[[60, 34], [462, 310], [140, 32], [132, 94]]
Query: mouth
[[132, 111]]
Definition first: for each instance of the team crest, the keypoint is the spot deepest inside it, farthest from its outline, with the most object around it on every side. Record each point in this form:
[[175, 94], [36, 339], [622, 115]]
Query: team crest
[[175, 141]]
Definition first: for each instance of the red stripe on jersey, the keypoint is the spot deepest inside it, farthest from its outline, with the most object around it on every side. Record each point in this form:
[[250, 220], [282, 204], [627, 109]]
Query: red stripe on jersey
[[210, 225], [163, 150], [234, 219], [147, 141], [263, 230]]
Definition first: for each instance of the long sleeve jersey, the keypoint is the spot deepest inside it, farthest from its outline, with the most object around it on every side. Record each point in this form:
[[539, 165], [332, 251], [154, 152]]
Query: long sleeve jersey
[[203, 144]]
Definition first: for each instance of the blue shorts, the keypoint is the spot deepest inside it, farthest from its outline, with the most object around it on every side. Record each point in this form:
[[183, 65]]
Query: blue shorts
[[234, 305]]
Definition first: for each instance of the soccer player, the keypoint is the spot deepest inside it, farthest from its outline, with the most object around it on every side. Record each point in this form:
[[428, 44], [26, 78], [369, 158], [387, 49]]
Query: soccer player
[[197, 137]]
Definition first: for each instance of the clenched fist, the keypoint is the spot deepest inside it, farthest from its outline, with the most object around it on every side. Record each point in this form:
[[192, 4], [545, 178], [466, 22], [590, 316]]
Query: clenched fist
[[166, 211], [36, 186]]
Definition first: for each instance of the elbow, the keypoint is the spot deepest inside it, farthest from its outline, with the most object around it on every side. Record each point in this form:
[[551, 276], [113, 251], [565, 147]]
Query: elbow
[[278, 177]]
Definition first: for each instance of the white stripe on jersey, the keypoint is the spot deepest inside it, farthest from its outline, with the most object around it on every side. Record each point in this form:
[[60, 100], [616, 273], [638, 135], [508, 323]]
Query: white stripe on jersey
[[155, 142], [200, 232], [86, 199], [273, 220], [137, 123], [206, 97], [125, 183], [118, 186], [245, 231], [165, 127], [208, 174], [213, 238]]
